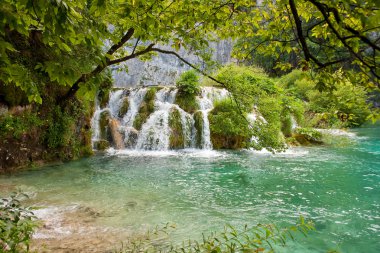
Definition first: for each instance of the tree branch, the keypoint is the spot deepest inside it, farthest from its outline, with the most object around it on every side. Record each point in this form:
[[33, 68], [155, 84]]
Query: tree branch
[[301, 37], [85, 77]]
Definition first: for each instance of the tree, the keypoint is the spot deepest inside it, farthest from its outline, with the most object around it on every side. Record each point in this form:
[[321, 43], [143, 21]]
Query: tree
[[320, 34], [79, 31], [82, 38]]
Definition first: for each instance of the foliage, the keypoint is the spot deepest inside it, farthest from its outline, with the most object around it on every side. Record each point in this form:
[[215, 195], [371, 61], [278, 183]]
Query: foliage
[[17, 125], [227, 126], [309, 134], [252, 88], [17, 224], [259, 238], [188, 88], [70, 37], [344, 106], [188, 83], [314, 34]]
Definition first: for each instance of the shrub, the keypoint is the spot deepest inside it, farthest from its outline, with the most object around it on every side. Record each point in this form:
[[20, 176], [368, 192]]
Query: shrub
[[188, 88], [17, 224], [228, 127], [343, 105], [188, 83]]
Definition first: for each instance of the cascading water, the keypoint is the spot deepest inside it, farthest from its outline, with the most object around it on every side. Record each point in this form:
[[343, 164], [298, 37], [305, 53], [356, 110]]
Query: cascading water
[[208, 96], [155, 132]]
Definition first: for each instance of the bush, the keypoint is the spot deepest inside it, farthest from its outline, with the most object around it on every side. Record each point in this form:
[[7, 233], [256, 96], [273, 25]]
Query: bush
[[17, 224], [188, 83], [344, 105], [228, 127], [188, 88]]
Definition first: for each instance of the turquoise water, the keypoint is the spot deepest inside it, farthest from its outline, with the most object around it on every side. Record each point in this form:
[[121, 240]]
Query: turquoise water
[[337, 187]]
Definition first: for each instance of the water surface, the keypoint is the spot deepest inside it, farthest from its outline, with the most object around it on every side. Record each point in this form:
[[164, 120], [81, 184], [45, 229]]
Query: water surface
[[337, 187]]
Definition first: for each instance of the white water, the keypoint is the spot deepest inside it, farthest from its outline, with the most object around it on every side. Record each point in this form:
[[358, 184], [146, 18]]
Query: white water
[[206, 103], [155, 132]]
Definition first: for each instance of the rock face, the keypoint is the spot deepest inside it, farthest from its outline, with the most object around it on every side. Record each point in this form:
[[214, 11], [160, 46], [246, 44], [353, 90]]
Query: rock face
[[165, 69], [132, 137], [117, 137]]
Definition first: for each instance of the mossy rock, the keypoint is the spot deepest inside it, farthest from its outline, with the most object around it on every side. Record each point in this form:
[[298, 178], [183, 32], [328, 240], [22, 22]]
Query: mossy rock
[[104, 119], [308, 136], [104, 97], [187, 102], [198, 124], [292, 141], [124, 107], [227, 142], [150, 94], [102, 144], [146, 108], [176, 139]]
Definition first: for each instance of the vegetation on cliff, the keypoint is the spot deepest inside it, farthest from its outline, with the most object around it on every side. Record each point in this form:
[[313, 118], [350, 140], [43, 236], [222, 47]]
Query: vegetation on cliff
[[146, 108], [188, 88]]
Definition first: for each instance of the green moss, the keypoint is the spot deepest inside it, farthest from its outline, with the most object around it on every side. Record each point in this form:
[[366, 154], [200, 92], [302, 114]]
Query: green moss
[[103, 124], [17, 125], [187, 102], [198, 124], [104, 96], [150, 94], [176, 139], [124, 107], [102, 144], [146, 108]]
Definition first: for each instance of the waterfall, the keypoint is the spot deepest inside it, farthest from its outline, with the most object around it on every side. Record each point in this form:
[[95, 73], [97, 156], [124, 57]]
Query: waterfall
[[155, 132], [206, 103], [135, 99]]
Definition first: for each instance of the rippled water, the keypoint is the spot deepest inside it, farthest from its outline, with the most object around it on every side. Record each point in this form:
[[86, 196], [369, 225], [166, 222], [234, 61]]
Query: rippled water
[[337, 187]]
